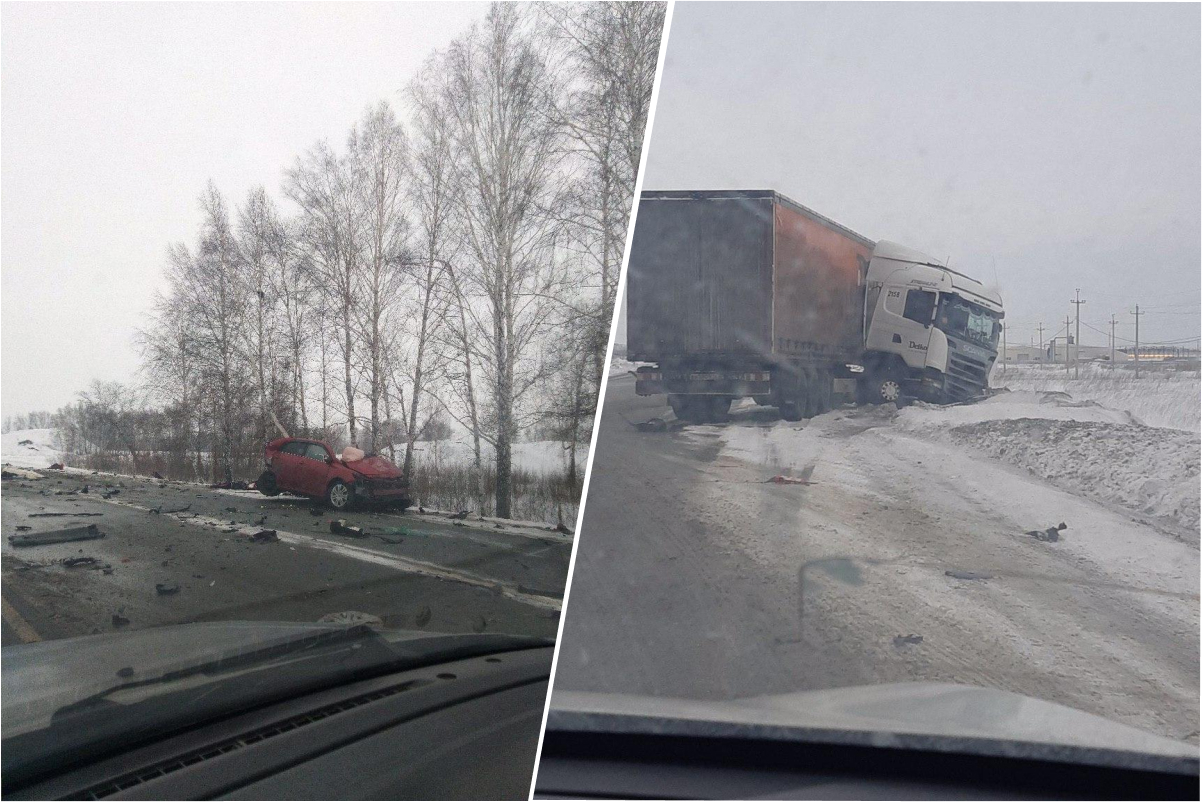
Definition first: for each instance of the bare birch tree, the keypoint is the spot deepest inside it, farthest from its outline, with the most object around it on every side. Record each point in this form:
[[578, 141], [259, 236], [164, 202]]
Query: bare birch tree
[[321, 184], [497, 103]]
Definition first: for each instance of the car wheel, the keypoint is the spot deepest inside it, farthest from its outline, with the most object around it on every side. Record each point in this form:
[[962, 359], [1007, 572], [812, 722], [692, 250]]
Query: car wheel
[[266, 484], [339, 495]]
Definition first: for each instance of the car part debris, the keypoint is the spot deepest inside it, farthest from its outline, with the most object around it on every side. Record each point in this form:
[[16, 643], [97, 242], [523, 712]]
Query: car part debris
[[1049, 535], [458, 516], [160, 511], [23, 528], [119, 621], [316, 512], [24, 442], [340, 527], [265, 536], [907, 640], [89, 532], [76, 562], [970, 575], [165, 589], [58, 466], [65, 514]]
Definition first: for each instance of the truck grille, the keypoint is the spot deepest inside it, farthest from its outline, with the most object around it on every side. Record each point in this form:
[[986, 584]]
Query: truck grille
[[966, 376]]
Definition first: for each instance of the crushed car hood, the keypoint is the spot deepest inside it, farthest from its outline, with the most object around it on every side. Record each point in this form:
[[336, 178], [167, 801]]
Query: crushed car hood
[[921, 715], [374, 467]]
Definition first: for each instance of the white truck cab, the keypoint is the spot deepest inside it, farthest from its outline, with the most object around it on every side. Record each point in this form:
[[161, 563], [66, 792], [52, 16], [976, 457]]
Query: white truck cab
[[929, 331]]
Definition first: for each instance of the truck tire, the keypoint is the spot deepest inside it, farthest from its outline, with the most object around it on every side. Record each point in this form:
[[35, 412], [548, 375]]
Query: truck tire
[[823, 391], [266, 484], [882, 387], [340, 495], [717, 408], [682, 406], [792, 411]]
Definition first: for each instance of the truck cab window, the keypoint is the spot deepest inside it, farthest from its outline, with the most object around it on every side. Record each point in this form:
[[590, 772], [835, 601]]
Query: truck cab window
[[920, 306]]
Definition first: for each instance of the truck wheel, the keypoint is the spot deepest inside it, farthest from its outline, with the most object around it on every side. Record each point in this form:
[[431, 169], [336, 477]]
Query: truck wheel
[[339, 495], [681, 405], [791, 411], [883, 388], [718, 408], [266, 484], [823, 388]]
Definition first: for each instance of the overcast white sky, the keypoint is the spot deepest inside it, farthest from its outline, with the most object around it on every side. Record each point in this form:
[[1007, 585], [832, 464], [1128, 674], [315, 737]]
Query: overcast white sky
[[1056, 145], [115, 116]]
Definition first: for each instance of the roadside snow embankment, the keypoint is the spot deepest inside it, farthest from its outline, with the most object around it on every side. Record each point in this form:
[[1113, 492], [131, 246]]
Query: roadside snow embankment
[[1080, 446], [29, 448], [1163, 398]]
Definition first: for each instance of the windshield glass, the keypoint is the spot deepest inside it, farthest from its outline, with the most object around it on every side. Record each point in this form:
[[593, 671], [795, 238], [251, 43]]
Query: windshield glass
[[792, 488], [170, 415], [961, 318]]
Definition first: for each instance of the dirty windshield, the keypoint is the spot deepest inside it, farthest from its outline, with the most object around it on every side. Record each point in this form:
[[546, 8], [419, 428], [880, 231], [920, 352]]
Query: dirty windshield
[[255, 370], [799, 487], [965, 319]]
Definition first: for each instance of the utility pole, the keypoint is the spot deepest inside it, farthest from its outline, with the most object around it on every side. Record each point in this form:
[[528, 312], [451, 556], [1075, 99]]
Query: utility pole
[[1003, 325], [1041, 335], [1113, 323], [1077, 359], [1068, 337], [1137, 313]]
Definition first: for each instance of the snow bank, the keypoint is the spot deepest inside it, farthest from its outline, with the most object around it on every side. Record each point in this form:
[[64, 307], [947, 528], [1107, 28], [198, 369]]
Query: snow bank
[[40, 452], [1081, 446], [1171, 399]]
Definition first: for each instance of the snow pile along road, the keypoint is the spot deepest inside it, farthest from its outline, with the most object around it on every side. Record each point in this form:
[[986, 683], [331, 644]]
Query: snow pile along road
[[29, 448], [1171, 399], [1082, 447]]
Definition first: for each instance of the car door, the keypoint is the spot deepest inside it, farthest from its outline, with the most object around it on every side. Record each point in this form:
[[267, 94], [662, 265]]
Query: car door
[[315, 469], [289, 466]]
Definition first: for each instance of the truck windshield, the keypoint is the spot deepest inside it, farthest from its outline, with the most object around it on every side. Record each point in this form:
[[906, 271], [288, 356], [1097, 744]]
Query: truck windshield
[[961, 318]]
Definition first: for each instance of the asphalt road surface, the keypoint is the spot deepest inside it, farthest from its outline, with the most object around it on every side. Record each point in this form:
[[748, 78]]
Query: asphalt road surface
[[410, 570], [697, 578]]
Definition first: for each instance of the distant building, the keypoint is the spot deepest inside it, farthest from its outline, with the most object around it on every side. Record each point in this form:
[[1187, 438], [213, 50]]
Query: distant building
[[1053, 352]]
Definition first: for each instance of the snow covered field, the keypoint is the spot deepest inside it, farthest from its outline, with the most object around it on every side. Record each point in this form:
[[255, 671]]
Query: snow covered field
[[40, 452], [1170, 399]]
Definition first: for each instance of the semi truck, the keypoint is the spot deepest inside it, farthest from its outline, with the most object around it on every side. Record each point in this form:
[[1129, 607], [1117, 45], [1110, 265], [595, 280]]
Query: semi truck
[[748, 294]]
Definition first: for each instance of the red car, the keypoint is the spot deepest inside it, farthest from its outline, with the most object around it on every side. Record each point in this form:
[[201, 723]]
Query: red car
[[310, 468]]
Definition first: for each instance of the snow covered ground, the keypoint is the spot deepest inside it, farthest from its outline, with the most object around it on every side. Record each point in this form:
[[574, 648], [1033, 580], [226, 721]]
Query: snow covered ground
[[541, 456], [40, 452], [1165, 398]]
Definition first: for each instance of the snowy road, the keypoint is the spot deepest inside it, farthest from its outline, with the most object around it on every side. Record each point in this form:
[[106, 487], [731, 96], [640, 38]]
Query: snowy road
[[697, 578]]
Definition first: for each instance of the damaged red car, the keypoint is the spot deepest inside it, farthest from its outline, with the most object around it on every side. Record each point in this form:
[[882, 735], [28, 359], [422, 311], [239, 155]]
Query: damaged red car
[[310, 468]]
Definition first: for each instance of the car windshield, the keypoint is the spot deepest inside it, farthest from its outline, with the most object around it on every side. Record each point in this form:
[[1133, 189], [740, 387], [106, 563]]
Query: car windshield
[[794, 487], [961, 318], [171, 414]]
